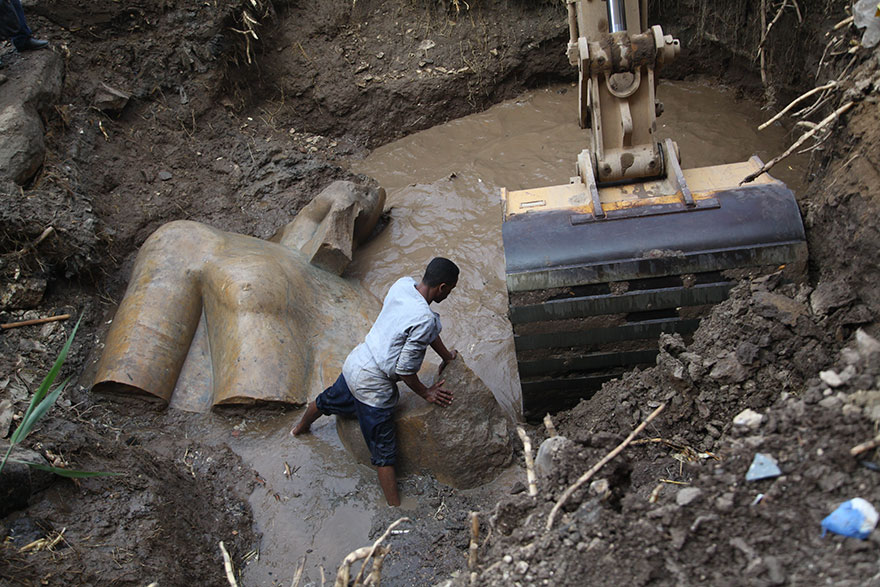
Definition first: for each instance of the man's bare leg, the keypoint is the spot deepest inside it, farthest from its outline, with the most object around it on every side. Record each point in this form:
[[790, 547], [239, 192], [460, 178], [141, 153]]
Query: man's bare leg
[[388, 481], [312, 413]]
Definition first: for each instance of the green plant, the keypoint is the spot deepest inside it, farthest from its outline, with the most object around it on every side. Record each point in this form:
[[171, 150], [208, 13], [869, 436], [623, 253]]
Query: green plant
[[41, 401]]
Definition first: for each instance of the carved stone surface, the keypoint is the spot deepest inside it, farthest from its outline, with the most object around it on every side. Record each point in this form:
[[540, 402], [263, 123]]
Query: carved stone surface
[[464, 445]]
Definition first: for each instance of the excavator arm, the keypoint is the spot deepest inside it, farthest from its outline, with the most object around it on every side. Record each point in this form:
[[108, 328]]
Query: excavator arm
[[634, 245]]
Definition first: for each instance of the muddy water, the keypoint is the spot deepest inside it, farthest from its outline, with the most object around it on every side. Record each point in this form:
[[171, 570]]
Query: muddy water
[[443, 189]]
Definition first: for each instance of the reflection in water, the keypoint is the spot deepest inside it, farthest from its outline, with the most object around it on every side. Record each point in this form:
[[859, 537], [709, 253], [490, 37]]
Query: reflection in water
[[444, 190]]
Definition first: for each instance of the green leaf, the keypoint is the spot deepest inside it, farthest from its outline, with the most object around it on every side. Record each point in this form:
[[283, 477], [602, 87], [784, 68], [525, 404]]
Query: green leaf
[[38, 396], [72, 473], [40, 411]]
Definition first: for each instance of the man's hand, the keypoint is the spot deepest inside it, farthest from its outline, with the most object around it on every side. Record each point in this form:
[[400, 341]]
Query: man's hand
[[437, 395], [452, 356]]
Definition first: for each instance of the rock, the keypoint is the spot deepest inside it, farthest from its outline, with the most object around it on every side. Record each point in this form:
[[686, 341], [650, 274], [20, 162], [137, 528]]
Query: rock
[[830, 402], [18, 481], [728, 369], [749, 419], [547, 454], [463, 445], [830, 295], [22, 145], [746, 352], [24, 293], [688, 495], [778, 307], [110, 100], [165, 175], [774, 570], [866, 344], [831, 378]]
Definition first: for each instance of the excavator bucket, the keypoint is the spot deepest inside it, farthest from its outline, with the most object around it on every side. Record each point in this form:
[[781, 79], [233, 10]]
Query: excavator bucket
[[596, 274], [633, 246]]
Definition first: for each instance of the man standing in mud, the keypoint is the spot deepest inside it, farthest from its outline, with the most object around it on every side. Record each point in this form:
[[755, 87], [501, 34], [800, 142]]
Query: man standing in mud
[[392, 351]]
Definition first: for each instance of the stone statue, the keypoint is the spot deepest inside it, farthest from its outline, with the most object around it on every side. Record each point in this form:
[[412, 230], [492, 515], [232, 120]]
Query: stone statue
[[212, 317]]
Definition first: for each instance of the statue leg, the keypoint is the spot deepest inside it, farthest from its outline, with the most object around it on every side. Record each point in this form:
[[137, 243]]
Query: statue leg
[[154, 325]]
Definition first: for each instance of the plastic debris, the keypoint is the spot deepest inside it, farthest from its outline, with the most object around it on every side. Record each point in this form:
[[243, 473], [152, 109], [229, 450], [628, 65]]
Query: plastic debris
[[763, 467], [855, 518], [867, 17]]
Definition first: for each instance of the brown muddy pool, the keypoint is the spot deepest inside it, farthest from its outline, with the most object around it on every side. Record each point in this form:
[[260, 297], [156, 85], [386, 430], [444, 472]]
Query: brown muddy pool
[[443, 189]]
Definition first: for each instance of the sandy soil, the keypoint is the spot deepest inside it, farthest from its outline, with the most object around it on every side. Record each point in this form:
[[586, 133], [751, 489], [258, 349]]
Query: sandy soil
[[241, 135]]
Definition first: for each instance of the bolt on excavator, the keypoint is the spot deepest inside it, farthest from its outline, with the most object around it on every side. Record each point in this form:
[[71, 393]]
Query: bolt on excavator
[[633, 246]]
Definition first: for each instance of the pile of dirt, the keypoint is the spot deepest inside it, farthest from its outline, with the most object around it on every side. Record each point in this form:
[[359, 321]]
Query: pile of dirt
[[677, 506]]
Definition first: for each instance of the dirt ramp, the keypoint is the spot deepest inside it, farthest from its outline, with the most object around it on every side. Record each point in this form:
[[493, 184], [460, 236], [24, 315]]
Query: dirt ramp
[[464, 445]]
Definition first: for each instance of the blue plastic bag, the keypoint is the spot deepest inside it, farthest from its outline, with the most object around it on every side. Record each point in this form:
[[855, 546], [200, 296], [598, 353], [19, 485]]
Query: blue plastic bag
[[855, 518]]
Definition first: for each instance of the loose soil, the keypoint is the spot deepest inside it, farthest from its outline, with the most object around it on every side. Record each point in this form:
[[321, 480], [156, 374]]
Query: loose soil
[[240, 134]]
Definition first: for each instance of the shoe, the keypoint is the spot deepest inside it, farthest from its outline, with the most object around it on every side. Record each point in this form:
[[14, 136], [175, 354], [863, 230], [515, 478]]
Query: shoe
[[31, 44]]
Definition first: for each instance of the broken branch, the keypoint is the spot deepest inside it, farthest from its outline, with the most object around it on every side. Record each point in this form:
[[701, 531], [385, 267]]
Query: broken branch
[[767, 166], [530, 464], [374, 548], [227, 564], [586, 476], [9, 325], [548, 424], [475, 544], [795, 102], [865, 446]]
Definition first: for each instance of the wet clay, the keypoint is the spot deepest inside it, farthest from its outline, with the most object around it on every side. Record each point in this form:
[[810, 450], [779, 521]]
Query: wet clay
[[444, 189]]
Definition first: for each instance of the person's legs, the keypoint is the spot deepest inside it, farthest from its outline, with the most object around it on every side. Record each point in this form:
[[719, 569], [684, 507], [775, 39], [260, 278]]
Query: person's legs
[[24, 31], [377, 426], [24, 40], [388, 482], [311, 414], [336, 399]]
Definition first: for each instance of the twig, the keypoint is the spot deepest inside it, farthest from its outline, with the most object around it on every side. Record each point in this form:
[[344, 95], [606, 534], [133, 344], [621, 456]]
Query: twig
[[795, 102], [474, 546], [586, 476], [761, 48], [227, 563], [548, 424], [375, 546], [47, 232], [770, 26], [843, 23], [798, 10], [530, 464], [9, 325], [344, 572], [299, 572], [865, 446], [376, 570], [767, 166]]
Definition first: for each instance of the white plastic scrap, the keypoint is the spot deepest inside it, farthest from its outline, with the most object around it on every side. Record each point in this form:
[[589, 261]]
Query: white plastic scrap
[[866, 14]]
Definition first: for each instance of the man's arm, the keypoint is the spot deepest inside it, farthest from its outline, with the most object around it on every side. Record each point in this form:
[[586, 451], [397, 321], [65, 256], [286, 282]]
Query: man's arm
[[434, 394], [444, 353]]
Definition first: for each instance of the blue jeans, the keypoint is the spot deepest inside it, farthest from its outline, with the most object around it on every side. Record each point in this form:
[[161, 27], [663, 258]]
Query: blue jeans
[[24, 31], [377, 424]]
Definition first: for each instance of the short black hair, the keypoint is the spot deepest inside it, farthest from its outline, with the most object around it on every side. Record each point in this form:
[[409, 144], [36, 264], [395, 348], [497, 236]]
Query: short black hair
[[440, 270]]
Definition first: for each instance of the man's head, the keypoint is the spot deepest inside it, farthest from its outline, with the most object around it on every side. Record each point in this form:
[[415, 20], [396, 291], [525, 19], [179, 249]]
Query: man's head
[[441, 277]]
